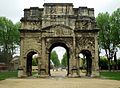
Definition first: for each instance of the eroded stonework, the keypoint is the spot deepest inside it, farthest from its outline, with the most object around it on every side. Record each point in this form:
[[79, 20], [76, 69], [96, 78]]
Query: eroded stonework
[[58, 24]]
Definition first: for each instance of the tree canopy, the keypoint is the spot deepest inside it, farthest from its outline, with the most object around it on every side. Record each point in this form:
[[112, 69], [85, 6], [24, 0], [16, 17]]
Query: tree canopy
[[64, 60], [9, 38], [54, 58], [109, 35]]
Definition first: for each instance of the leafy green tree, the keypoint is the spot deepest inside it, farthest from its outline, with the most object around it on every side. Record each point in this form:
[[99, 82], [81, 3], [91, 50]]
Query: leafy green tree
[[9, 38], [109, 34], [54, 58], [103, 22], [115, 32], [17, 33], [34, 61], [64, 60]]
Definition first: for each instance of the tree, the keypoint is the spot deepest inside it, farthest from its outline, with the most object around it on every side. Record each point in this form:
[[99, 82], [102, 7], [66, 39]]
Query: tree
[[17, 33], [34, 61], [9, 38], [118, 63], [115, 32], [103, 22], [54, 58], [109, 34], [64, 60]]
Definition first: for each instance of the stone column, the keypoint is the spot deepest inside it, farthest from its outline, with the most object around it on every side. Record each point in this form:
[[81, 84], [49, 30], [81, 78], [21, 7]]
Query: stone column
[[78, 65], [39, 65], [47, 62], [25, 65], [43, 70], [70, 60], [95, 71], [22, 64], [74, 68]]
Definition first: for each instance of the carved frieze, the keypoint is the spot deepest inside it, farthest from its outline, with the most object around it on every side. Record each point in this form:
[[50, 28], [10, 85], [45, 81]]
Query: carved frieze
[[87, 43], [57, 30]]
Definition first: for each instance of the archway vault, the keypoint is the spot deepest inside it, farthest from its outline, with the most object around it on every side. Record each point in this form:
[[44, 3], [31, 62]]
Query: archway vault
[[55, 44], [31, 50]]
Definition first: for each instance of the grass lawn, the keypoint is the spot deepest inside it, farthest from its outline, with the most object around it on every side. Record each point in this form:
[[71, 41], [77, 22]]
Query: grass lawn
[[111, 75], [10, 74], [5, 75], [107, 75]]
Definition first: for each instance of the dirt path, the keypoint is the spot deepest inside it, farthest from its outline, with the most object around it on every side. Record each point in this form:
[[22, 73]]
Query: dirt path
[[59, 82]]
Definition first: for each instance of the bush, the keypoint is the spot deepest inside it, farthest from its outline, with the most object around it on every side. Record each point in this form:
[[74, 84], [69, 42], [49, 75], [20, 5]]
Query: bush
[[103, 63], [118, 62]]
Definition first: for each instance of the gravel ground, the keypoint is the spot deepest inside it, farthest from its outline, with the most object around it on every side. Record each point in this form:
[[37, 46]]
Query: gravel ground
[[59, 82]]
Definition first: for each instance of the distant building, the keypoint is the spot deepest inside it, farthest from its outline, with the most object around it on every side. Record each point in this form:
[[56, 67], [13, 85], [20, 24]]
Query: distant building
[[3, 66], [14, 63]]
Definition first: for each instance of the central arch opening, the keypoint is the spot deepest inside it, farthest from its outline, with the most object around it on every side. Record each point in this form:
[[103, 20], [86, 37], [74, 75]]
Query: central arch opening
[[61, 52]]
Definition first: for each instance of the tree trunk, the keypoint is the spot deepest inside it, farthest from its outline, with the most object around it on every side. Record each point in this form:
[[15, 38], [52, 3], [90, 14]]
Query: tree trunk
[[109, 59], [115, 61], [109, 65]]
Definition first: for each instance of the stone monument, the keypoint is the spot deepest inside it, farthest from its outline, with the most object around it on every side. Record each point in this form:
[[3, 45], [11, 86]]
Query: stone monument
[[58, 24]]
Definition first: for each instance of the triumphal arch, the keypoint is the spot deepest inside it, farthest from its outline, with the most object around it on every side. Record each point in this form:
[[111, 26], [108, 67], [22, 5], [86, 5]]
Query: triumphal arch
[[58, 24]]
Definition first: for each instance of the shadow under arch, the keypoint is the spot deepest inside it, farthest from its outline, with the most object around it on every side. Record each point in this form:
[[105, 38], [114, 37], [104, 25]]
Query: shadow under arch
[[29, 55], [67, 50], [88, 58]]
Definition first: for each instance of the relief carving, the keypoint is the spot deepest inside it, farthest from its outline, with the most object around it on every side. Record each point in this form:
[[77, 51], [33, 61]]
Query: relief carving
[[85, 43]]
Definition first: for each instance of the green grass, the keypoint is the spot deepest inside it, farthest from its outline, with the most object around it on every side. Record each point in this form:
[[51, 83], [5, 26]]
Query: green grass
[[10, 74], [5, 75], [107, 75], [111, 75]]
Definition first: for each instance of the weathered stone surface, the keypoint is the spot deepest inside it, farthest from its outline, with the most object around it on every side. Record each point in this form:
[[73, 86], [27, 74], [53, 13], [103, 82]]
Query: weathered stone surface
[[58, 24]]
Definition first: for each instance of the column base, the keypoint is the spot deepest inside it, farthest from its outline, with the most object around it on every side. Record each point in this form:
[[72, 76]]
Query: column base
[[21, 73], [95, 74]]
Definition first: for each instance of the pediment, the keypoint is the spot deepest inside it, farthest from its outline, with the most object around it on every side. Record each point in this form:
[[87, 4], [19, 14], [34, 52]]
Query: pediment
[[58, 30]]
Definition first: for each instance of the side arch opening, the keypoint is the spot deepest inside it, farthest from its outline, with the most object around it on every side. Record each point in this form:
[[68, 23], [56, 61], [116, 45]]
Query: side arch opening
[[32, 63], [85, 60]]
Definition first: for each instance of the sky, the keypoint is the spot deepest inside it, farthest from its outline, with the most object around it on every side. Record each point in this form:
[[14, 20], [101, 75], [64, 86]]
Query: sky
[[13, 9]]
